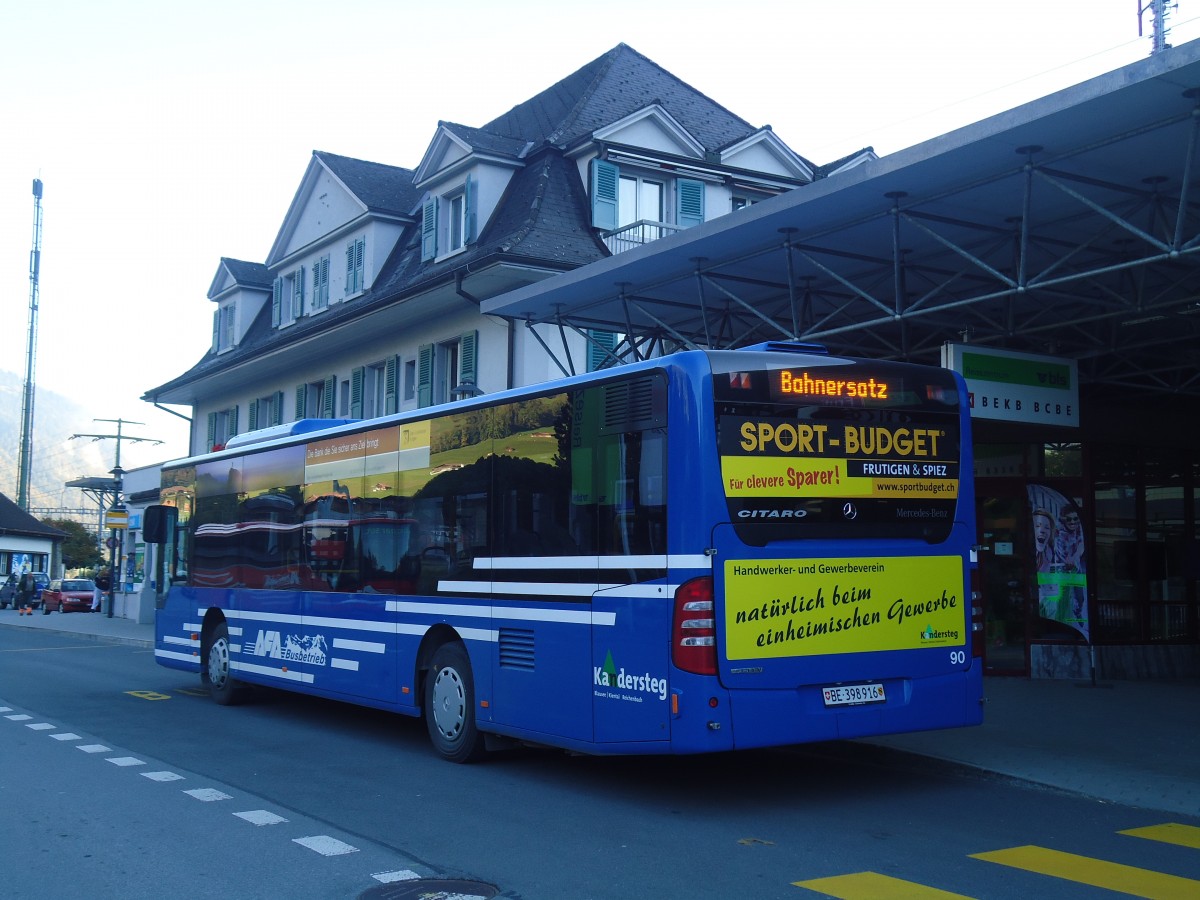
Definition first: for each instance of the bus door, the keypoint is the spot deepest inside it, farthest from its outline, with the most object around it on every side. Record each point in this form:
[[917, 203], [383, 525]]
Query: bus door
[[630, 662]]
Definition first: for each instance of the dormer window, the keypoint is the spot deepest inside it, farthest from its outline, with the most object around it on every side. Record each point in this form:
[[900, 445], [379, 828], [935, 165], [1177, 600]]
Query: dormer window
[[631, 207], [224, 335], [448, 221]]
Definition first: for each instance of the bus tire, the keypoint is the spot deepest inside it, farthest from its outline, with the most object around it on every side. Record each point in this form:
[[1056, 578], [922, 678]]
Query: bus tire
[[216, 672], [450, 705]]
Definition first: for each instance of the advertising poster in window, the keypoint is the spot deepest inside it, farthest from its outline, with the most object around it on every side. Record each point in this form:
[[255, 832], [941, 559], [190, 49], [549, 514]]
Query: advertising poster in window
[[1057, 527]]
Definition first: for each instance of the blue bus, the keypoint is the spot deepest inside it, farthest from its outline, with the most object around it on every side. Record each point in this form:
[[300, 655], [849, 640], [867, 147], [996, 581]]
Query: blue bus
[[704, 552]]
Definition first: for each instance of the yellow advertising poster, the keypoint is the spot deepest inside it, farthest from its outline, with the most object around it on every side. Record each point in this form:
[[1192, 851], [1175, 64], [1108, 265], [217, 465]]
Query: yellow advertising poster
[[806, 607], [775, 476]]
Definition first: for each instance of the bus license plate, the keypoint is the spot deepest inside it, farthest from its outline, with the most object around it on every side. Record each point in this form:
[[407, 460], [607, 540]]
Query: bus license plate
[[853, 694]]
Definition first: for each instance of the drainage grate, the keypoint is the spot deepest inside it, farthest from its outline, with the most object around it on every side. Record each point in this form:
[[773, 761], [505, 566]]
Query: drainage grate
[[431, 889]]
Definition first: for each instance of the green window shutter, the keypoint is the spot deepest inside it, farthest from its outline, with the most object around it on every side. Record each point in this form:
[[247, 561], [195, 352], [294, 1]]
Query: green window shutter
[[252, 415], [212, 431], [276, 301], [425, 375], [298, 293], [330, 391], [357, 377], [468, 357], [216, 330], [233, 421], [301, 401], [469, 202], [391, 385], [277, 408], [360, 247], [598, 343], [429, 229], [605, 180], [689, 202]]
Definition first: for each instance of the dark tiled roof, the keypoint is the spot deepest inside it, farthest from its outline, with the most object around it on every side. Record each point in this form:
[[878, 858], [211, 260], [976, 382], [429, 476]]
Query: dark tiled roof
[[615, 85], [544, 214], [251, 274], [384, 189], [486, 141], [14, 520]]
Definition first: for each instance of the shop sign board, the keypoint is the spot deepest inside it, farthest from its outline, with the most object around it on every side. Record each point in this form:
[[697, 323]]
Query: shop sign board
[[1017, 387]]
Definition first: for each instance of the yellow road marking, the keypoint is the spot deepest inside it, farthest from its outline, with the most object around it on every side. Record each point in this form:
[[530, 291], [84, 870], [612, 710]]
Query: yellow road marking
[[873, 886], [1095, 872], [1170, 833], [149, 695]]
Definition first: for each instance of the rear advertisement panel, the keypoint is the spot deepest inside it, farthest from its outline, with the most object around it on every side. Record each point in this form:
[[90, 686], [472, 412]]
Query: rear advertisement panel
[[810, 607]]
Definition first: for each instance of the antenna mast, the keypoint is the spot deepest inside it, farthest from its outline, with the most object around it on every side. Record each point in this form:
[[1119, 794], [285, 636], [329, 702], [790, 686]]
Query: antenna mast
[[1159, 9], [35, 264]]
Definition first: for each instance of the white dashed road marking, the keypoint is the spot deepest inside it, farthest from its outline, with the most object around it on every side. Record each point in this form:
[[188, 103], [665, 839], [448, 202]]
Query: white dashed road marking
[[125, 761], [325, 845], [400, 875], [208, 795], [260, 817]]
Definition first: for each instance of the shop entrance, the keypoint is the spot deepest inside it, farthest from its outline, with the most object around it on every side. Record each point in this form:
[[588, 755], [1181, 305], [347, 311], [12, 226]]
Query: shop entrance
[[1006, 576]]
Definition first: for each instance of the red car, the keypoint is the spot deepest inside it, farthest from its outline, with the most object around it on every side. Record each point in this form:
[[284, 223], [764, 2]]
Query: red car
[[69, 595]]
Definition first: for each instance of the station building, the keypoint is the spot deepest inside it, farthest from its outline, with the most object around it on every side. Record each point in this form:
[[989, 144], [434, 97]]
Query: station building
[[1048, 253]]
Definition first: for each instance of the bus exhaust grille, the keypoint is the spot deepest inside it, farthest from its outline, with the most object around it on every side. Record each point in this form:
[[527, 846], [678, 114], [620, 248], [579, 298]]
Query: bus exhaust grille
[[516, 648]]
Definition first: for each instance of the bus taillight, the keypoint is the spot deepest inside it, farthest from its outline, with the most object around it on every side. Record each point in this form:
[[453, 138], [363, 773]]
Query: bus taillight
[[693, 630], [978, 627]]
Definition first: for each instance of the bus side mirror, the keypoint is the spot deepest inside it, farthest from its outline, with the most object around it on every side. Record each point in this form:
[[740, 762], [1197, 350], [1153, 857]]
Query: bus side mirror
[[157, 524]]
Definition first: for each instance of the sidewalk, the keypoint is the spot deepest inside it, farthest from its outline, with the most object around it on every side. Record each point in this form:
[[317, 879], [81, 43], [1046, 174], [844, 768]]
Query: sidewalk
[[1130, 742]]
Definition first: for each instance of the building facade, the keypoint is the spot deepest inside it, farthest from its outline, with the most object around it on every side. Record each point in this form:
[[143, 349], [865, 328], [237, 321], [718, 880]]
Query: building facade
[[369, 300]]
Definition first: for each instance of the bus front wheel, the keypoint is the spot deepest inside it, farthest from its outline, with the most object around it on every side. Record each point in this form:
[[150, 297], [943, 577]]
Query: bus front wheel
[[217, 673], [450, 705]]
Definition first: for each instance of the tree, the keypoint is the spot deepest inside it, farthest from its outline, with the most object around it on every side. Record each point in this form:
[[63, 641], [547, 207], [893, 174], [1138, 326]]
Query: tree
[[79, 550]]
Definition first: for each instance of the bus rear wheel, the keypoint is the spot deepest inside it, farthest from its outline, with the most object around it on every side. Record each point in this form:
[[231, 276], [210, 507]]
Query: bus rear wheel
[[216, 672], [450, 705]]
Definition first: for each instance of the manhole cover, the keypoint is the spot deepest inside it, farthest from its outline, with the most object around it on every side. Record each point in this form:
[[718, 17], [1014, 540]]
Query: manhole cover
[[431, 889]]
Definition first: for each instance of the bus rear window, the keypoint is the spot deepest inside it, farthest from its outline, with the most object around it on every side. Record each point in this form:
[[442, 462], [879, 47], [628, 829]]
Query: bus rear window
[[839, 451]]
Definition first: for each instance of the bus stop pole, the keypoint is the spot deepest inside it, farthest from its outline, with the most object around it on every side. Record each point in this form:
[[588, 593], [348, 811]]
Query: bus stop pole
[[113, 543]]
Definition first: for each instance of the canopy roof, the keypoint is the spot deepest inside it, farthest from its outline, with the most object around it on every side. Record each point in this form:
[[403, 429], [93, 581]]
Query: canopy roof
[[1068, 226]]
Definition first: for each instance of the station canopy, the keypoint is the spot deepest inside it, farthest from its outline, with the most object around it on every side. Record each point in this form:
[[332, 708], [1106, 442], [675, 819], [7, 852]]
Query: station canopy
[[1069, 227]]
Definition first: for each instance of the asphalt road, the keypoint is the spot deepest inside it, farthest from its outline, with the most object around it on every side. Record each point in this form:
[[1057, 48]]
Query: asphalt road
[[537, 824]]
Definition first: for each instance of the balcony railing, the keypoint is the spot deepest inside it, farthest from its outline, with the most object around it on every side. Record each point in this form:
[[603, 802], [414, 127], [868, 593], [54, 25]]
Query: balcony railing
[[634, 235]]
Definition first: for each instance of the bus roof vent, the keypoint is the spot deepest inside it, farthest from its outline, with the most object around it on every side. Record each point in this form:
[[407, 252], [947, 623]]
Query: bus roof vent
[[788, 347]]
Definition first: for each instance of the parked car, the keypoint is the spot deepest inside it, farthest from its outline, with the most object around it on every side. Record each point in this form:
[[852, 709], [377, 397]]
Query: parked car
[[8, 592], [69, 595]]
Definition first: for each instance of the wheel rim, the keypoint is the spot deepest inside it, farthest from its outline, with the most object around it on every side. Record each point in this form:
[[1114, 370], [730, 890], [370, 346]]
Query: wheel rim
[[449, 703], [218, 663]]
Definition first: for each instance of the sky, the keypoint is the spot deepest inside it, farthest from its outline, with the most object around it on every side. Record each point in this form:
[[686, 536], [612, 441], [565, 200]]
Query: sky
[[170, 134]]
